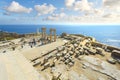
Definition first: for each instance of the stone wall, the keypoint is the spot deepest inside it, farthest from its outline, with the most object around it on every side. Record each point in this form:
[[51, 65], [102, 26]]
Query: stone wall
[[111, 48]]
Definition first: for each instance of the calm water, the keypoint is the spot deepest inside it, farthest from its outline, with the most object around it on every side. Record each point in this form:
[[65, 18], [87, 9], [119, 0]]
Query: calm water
[[108, 34]]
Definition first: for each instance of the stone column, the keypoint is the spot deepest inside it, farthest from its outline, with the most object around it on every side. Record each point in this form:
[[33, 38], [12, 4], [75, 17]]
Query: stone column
[[43, 35], [54, 34], [50, 35]]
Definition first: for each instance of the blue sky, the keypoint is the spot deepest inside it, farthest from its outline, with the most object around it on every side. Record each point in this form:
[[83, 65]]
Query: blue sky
[[59, 11]]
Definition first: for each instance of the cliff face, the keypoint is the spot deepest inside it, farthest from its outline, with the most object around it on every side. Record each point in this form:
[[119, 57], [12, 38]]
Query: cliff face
[[9, 36]]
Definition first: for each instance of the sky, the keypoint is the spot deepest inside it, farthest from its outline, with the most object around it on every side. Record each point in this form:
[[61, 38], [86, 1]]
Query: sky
[[59, 12]]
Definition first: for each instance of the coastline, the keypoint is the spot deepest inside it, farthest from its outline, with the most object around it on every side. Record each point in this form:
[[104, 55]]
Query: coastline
[[2, 43], [102, 33]]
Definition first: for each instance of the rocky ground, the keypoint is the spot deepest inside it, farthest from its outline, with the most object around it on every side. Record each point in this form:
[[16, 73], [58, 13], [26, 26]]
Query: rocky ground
[[76, 60], [66, 59]]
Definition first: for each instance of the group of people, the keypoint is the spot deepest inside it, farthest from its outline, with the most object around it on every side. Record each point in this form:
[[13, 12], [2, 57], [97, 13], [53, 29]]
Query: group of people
[[33, 42]]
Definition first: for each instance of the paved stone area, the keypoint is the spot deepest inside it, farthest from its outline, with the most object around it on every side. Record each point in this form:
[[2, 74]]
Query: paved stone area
[[16, 67]]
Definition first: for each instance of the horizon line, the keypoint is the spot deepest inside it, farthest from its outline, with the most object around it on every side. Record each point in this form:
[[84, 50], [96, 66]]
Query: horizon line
[[69, 24]]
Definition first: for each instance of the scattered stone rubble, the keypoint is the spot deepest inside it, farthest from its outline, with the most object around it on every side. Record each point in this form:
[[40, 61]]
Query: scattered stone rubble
[[75, 57], [78, 50], [81, 50]]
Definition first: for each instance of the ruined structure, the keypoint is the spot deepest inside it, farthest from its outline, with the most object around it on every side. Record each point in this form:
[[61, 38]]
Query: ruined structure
[[116, 54], [52, 33], [72, 57], [43, 30]]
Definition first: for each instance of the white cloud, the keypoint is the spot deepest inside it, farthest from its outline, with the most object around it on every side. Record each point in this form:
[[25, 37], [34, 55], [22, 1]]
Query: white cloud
[[85, 11], [15, 7], [44, 9], [69, 3], [112, 5], [90, 13], [82, 5], [111, 15], [56, 17], [111, 8], [98, 12], [74, 19]]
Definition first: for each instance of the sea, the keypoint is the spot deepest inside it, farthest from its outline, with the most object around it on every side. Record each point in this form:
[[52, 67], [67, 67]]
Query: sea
[[107, 34]]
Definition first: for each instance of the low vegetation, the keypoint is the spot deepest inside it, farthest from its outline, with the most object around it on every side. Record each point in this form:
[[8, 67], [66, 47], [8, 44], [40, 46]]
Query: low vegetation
[[9, 36]]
